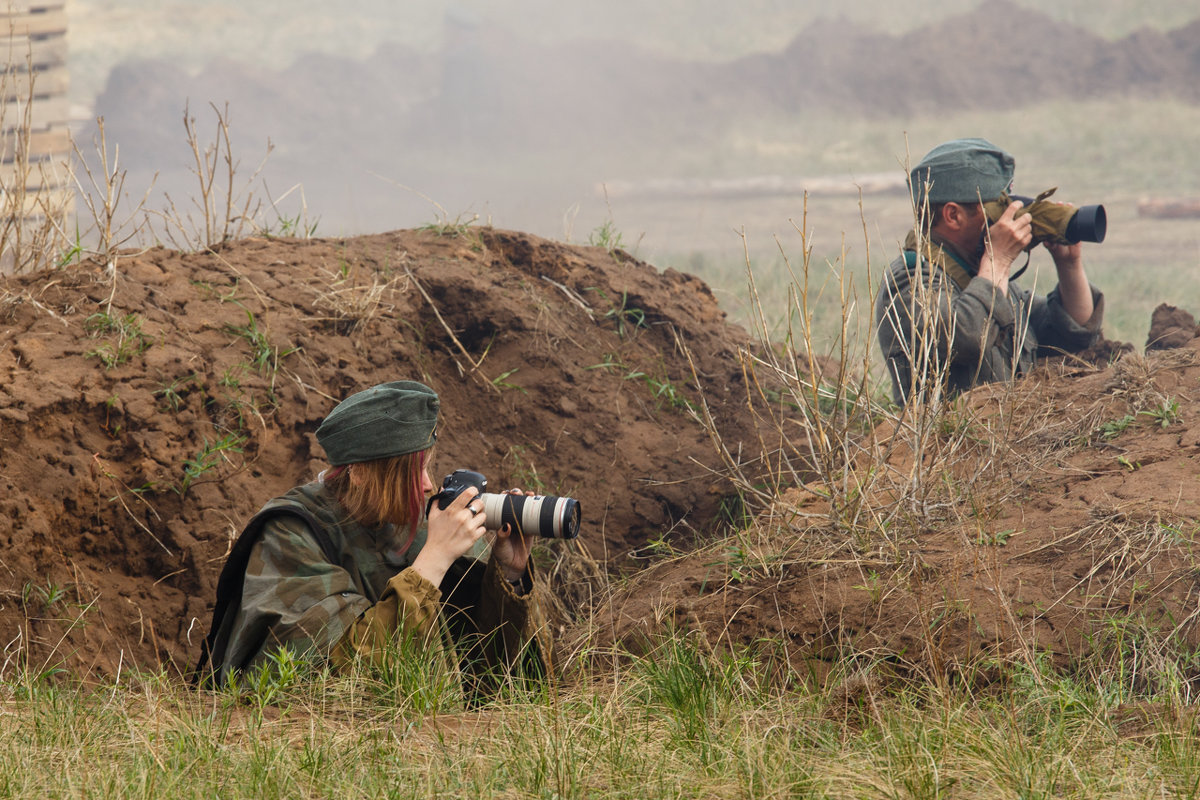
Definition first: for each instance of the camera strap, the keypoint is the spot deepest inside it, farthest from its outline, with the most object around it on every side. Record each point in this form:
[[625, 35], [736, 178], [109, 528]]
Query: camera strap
[[1021, 271]]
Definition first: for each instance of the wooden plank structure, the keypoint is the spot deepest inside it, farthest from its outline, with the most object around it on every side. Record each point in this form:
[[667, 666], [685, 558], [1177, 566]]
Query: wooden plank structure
[[35, 140]]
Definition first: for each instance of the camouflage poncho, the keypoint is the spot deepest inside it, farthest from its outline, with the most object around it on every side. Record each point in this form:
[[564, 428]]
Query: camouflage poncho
[[303, 575]]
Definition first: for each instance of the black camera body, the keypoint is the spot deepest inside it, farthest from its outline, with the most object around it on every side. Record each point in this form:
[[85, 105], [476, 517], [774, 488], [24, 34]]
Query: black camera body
[[456, 483], [541, 515]]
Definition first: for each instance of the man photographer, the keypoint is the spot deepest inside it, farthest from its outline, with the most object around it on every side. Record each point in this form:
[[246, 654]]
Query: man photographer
[[948, 309]]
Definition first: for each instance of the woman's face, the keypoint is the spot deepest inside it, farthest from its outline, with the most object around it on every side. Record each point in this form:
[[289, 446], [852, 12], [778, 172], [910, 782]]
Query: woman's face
[[426, 482]]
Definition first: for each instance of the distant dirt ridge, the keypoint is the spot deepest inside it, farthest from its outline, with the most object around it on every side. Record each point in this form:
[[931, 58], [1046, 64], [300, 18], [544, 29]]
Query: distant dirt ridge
[[493, 89]]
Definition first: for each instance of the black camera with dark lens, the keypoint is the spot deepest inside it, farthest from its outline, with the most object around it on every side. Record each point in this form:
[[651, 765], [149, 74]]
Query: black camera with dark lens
[[540, 515]]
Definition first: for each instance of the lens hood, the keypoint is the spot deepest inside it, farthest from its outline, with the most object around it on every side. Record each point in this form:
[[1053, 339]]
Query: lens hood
[[1089, 224]]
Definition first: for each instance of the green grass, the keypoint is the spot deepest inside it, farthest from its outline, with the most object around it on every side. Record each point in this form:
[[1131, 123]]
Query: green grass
[[681, 722], [209, 459], [123, 338]]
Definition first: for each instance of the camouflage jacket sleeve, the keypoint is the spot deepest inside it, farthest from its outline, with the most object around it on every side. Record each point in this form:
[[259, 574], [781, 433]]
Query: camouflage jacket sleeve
[[512, 625], [292, 595], [476, 621]]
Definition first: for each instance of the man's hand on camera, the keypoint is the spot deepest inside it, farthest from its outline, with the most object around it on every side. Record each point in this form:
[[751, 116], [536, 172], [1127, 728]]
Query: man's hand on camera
[[1066, 256], [1004, 240]]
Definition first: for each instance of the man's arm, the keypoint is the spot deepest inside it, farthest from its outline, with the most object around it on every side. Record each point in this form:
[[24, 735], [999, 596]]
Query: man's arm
[[1073, 289]]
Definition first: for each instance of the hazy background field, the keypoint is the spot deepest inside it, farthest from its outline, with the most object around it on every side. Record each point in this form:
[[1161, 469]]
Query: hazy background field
[[139, 62]]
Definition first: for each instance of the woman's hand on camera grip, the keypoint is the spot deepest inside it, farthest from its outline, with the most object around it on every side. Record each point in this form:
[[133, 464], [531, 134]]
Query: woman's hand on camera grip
[[452, 532]]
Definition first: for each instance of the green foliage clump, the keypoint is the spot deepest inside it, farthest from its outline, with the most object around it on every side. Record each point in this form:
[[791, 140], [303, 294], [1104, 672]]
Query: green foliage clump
[[124, 337]]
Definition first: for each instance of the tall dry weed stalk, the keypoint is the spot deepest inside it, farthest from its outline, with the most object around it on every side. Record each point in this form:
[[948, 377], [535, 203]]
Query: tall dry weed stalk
[[225, 207], [815, 403], [112, 227], [882, 471], [34, 205]]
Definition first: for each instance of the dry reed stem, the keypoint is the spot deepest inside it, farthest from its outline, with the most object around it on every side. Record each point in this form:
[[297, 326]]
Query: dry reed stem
[[102, 198], [31, 218], [225, 210]]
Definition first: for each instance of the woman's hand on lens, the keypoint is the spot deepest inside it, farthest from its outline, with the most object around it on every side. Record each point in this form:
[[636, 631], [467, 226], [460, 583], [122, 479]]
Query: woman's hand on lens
[[512, 547]]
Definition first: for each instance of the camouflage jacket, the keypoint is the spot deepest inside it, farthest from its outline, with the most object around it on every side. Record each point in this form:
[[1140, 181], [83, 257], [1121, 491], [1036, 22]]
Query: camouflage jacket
[[302, 574], [937, 314]]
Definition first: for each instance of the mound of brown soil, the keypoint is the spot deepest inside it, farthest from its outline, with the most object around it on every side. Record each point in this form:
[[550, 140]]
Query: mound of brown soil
[[136, 441], [1170, 327], [1056, 516]]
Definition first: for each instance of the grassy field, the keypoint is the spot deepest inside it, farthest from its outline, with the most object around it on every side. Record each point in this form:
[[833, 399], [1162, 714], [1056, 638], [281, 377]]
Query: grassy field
[[681, 723]]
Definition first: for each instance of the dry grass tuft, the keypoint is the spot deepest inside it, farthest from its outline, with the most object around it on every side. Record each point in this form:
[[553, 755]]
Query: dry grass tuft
[[353, 302]]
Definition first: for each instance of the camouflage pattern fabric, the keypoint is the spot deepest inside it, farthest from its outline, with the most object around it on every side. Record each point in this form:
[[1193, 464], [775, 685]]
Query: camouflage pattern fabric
[[357, 608], [1048, 220], [933, 310]]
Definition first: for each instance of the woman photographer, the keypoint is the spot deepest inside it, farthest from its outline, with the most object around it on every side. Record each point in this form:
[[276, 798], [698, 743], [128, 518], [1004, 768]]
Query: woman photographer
[[341, 569]]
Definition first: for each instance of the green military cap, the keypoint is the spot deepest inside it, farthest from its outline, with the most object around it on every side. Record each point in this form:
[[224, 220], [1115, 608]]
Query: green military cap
[[962, 171], [391, 419]]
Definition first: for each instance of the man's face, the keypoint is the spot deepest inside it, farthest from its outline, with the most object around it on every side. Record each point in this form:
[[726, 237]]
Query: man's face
[[964, 224], [976, 226]]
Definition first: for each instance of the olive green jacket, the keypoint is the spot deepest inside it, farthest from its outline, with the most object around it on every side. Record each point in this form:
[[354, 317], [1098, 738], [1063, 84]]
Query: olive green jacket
[[304, 575], [934, 315]]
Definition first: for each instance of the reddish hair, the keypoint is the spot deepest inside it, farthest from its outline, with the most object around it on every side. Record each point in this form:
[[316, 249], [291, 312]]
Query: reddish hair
[[384, 490]]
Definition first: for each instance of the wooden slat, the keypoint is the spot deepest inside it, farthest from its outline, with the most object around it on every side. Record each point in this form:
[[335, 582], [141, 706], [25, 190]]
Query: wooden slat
[[33, 202], [52, 173], [33, 23], [42, 53], [21, 7], [43, 144], [46, 83], [47, 112]]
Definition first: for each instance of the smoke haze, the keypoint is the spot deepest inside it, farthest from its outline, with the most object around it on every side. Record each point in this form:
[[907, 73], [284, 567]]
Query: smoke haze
[[524, 112]]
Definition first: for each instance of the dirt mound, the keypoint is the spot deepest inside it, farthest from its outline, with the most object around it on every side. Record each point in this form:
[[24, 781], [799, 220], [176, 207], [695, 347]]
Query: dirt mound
[[1170, 327], [1018, 55], [137, 440], [1057, 516]]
